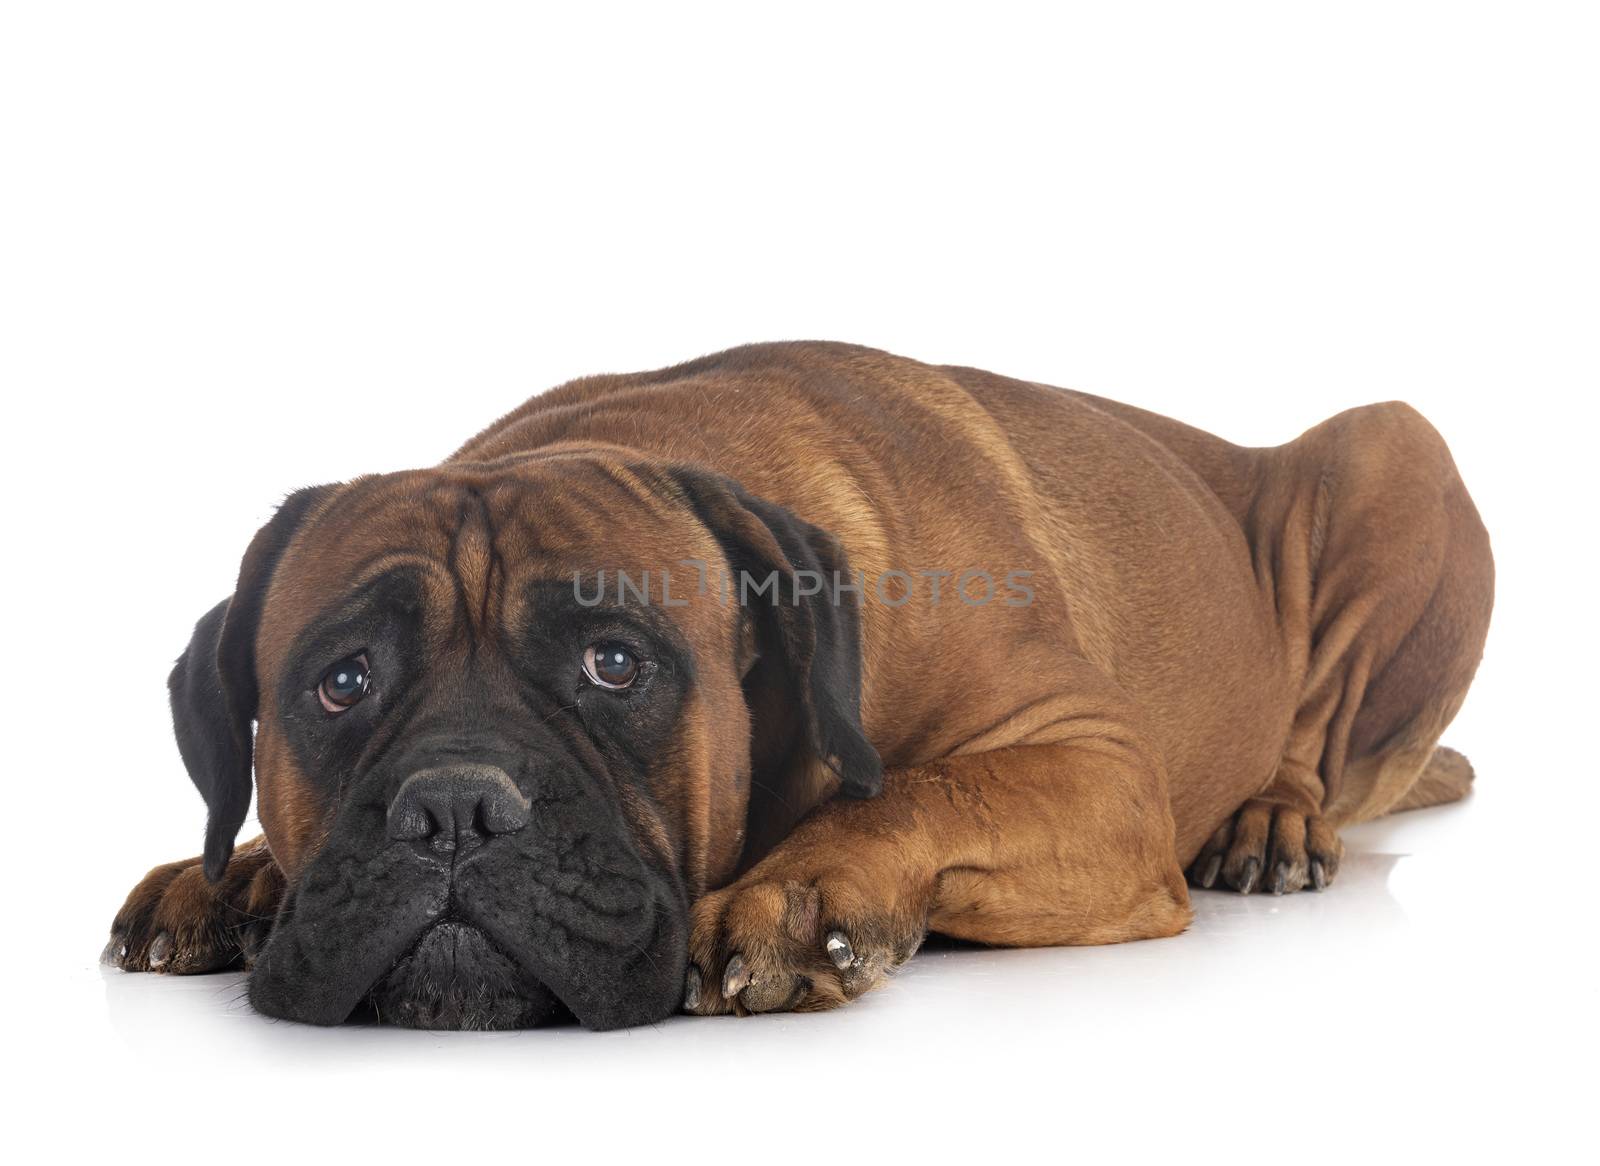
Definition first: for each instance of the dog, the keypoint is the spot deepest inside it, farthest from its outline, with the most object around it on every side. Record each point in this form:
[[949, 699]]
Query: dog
[[718, 688]]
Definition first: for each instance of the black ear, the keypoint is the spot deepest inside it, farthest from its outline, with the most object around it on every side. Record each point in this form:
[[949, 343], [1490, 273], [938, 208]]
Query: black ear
[[817, 636], [213, 685]]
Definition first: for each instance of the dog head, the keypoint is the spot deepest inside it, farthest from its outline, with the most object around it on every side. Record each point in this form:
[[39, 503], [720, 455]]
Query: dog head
[[508, 718]]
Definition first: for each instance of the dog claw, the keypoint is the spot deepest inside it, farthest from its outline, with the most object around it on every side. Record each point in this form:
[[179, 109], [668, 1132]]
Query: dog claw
[[1280, 878], [115, 951], [160, 949], [839, 950], [691, 989], [1252, 869], [1319, 874], [1209, 875], [736, 979]]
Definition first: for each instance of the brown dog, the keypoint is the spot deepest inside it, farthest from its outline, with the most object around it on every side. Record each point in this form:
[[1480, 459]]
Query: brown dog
[[720, 686]]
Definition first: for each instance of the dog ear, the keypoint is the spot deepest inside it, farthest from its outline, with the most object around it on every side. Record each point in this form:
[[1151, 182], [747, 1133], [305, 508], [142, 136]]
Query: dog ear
[[807, 643], [213, 685]]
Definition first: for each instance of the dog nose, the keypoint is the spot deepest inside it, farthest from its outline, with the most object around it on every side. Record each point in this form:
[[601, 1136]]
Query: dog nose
[[452, 807]]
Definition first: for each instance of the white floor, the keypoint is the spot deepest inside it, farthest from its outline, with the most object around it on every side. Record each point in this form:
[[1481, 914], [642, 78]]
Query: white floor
[[1433, 999]]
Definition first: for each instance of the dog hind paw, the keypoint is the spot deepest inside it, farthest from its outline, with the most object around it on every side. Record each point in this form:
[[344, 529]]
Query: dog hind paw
[[1267, 847]]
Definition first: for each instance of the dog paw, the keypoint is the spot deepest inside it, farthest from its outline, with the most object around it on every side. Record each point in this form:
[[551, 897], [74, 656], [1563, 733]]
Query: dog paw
[[1265, 847], [790, 945], [177, 921]]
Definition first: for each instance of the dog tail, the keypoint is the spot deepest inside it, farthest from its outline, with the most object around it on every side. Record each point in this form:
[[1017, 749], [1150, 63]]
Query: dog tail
[[1446, 778]]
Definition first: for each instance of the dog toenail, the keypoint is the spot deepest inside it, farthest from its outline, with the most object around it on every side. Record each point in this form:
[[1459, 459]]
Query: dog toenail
[[839, 950], [160, 949], [691, 989], [735, 979], [1280, 878], [1252, 868]]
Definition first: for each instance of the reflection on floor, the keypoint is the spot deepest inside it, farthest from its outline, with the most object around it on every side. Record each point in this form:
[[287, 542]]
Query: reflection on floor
[[1367, 997]]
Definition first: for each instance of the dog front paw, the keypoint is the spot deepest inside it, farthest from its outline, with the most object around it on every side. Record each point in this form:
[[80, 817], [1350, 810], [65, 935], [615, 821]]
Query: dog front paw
[[177, 921], [778, 944]]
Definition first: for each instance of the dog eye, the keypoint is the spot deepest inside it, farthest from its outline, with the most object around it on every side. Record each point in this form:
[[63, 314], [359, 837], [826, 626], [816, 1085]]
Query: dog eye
[[610, 665], [344, 684]]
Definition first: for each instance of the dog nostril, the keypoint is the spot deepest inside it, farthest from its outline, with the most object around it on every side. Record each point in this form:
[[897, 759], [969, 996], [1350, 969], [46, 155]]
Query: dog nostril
[[449, 805], [410, 822]]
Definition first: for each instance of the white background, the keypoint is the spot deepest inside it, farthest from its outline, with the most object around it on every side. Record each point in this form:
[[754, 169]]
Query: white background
[[248, 248]]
